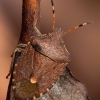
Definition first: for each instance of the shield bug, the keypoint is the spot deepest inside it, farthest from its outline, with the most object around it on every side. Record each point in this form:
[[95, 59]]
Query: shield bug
[[38, 59]]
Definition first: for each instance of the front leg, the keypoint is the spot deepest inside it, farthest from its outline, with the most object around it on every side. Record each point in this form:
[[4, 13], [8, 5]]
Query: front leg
[[34, 25]]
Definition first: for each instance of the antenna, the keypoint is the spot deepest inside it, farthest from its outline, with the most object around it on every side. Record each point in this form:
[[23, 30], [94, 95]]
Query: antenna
[[53, 11], [74, 28]]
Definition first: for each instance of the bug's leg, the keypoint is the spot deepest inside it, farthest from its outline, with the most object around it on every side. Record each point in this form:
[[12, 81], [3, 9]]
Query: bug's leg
[[11, 67], [35, 27], [74, 28], [53, 11]]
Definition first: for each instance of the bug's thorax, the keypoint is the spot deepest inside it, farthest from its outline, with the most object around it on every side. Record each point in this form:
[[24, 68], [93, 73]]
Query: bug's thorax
[[52, 46]]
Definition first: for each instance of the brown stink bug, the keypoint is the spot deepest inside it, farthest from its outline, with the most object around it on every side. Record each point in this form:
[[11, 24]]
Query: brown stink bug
[[39, 59]]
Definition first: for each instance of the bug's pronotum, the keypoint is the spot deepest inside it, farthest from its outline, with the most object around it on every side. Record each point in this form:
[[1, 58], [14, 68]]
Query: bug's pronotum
[[38, 59]]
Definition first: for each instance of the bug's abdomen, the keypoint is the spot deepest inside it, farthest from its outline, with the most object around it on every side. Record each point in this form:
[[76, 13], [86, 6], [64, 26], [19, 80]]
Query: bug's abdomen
[[46, 71]]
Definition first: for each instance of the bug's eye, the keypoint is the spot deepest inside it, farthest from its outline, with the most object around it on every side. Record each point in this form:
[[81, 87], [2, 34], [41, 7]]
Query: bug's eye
[[36, 47]]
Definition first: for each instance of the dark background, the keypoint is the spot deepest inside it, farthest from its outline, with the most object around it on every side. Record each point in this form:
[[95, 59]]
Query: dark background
[[83, 43]]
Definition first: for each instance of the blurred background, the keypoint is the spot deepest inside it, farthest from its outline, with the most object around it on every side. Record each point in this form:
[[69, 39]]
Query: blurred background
[[83, 43]]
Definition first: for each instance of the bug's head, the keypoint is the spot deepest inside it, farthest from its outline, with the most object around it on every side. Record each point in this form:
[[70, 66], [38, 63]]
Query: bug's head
[[52, 46]]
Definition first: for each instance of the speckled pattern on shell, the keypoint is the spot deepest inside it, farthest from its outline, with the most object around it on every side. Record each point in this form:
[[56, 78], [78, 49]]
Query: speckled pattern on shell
[[67, 87]]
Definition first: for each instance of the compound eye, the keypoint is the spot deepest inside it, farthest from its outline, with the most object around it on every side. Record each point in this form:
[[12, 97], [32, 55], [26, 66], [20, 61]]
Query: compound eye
[[36, 47]]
